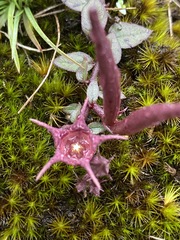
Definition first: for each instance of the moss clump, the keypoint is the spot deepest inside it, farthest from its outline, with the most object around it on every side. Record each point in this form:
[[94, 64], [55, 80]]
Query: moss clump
[[142, 199]]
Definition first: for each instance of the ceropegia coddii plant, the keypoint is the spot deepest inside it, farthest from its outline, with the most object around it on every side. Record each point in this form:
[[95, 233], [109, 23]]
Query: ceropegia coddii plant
[[76, 144], [109, 80]]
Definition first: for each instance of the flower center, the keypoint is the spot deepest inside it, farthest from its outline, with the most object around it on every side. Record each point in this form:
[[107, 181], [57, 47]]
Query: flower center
[[76, 145]]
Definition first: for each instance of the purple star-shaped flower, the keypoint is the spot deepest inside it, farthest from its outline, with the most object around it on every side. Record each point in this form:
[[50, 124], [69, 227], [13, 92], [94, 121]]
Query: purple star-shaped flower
[[76, 145]]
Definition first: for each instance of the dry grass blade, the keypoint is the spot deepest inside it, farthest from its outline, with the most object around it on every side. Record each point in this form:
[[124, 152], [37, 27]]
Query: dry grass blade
[[39, 14], [170, 14], [49, 69], [29, 48]]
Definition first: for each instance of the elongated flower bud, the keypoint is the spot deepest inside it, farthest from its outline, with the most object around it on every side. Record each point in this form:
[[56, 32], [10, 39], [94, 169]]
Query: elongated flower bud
[[108, 71], [146, 117]]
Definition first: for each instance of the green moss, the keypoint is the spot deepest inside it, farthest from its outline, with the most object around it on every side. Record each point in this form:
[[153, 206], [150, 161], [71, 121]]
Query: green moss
[[142, 198], [60, 226]]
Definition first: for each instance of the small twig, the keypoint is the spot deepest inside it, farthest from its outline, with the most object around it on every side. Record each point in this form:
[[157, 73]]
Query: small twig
[[46, 10], [117, 9], [176, 2], [29, 48], [170, 18], [49, 69], [170, 15], [156, 238], [50, 13], [34, 49]]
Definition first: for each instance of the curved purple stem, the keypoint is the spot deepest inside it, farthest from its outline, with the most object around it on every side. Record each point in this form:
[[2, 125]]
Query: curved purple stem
[[108, 71], [146, 117]]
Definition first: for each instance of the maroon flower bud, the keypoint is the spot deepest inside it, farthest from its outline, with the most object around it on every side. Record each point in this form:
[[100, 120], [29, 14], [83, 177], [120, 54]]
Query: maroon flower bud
[[146, 117], [109, 74], [100, 167]]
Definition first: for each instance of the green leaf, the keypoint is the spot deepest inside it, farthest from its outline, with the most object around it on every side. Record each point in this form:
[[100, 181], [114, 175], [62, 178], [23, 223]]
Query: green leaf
[[3, 3], [75, 5], [96, 127], [3, 18], [128, 34], [73, 110], [14, 39], [115, 47], [81, 74], [93, 91], [15, 32], [102, 14], [30, 32], [3, 8], [11, 10], [43, 35], [12, 32], [80, 57]]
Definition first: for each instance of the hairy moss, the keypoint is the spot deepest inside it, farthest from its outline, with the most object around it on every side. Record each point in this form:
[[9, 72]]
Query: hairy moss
[[142, 199]]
